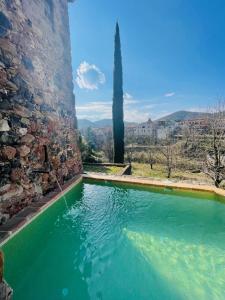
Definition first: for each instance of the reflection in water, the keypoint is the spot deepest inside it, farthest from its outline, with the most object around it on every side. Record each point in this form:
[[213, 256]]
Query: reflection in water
[[195, 271]]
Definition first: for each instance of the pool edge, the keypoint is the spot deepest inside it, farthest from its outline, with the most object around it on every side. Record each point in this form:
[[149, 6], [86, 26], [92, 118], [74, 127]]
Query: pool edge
[[39, 211], [157, 183]]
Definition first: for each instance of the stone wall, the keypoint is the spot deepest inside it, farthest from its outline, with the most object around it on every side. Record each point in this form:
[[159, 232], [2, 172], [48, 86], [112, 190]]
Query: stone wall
[[37, 105]]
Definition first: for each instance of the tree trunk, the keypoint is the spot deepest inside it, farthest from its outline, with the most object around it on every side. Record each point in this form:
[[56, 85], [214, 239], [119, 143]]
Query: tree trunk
[[217, 182], [169, 172]]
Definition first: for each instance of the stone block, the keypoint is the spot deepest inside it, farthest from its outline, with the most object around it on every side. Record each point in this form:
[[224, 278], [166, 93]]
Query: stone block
[[4, 125], [9, 152], [24, 151]]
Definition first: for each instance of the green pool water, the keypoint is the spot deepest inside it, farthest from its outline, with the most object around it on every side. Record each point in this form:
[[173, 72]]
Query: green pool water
[[116, 241]]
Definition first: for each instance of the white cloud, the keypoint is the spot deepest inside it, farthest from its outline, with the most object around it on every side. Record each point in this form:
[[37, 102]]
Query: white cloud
[[128, 99], [169, 94], [149, 106], [127, 95], [134, 110], [95, 110], [89, 76], [103, 110], [134, 115]]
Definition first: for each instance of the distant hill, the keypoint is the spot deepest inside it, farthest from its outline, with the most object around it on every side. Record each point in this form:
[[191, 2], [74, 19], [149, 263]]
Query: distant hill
[[84, 123], [103, 123], [183, 115]]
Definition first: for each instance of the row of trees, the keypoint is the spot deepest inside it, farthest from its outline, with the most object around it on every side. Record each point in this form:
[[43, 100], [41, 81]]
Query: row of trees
[[204, 144], [213, 140]]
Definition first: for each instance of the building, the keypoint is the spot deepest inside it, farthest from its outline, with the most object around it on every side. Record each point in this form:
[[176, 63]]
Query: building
[[198, 123], [154, 130], [146, 129]]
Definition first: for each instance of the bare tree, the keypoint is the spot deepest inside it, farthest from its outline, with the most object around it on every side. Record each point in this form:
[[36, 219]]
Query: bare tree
[[168, 154], [151, 157], [170, 151], [214, 165], [129, 152], [108, 146], [189, 135]]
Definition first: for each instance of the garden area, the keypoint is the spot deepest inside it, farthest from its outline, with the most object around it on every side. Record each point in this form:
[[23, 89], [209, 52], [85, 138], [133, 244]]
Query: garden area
[[103, 169], [159, 172]]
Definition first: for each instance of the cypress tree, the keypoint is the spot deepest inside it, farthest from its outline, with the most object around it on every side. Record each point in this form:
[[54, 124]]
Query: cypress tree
[[117, 109]]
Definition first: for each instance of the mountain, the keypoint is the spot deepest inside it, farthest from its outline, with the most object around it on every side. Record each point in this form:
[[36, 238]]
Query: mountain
[[183, 115], [103, 123], [84, 123]]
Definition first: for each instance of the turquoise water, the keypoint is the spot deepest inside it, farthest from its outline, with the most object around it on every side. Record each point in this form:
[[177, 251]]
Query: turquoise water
[[117, 241]]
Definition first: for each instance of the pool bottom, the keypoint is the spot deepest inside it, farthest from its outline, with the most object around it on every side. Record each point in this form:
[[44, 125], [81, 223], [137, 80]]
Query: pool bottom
[[117, 242]]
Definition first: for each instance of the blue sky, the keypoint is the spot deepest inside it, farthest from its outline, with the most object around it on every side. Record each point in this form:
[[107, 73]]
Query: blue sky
[[173, 55]]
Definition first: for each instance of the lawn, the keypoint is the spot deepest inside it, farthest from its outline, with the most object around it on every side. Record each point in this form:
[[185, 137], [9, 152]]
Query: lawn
[[113, 170], [159, 171]]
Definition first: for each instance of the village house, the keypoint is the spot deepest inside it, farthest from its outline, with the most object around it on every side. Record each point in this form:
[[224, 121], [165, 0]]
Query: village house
[[157, 130], [197, 123]]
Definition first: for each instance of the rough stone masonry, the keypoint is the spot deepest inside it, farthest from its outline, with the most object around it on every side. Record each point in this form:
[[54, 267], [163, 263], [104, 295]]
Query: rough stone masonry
[[37, 105]]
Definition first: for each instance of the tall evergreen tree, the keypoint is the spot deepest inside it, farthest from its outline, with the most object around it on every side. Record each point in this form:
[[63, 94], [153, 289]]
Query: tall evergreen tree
[[117, 109]]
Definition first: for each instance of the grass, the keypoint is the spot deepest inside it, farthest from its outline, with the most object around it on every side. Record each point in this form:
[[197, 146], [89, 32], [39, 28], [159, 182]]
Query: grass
[[113, 170], [159, 171]]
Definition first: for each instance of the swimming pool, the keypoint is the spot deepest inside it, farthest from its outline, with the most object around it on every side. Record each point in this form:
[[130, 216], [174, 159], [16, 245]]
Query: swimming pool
[[121, 241]]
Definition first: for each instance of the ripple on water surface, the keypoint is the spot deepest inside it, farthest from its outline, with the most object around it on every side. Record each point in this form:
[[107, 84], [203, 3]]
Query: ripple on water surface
[[114, 241]]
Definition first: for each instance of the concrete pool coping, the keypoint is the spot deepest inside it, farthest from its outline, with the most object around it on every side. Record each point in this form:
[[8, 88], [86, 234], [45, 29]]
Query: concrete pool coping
[[157, 183], [31, 212]]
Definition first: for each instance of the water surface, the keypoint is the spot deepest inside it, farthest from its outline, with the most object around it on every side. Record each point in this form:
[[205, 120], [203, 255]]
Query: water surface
[[116, 241]]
